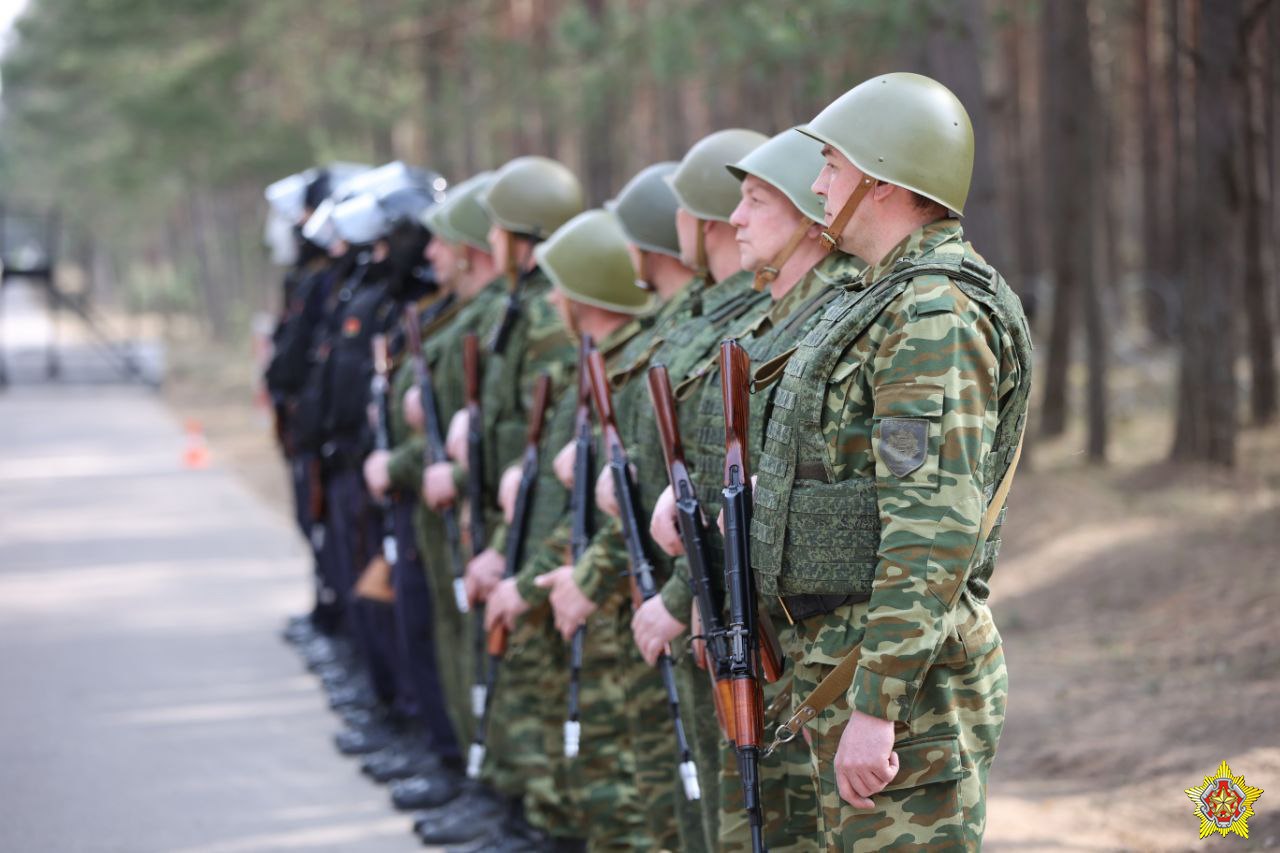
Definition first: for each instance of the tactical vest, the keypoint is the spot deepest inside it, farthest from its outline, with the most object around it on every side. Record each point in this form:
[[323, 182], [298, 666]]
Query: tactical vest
[[810, 536], [684, 346], [705, 429]]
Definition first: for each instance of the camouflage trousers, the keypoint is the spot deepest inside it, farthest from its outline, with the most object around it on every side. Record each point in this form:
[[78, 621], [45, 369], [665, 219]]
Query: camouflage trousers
[[786, 786], [601, 778], [938, 799], [522, 760], [453, 630], [698, 710], [675, 822]]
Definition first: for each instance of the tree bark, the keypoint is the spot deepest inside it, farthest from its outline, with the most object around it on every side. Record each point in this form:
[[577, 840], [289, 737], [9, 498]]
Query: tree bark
[[955, 38], [1258, 258], [1206, 427], [1069, 108]]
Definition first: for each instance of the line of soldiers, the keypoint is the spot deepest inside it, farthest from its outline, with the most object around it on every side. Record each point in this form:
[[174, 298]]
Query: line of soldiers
[[667, 525]]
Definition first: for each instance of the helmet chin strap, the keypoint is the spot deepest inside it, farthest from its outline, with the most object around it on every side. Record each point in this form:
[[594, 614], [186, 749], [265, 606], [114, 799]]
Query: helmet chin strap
[[768, 273], [831, 237]]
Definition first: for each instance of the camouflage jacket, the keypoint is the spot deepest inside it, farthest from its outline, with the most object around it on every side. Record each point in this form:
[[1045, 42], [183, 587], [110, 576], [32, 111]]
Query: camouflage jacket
[[442, 348], [549, 521], [537, 344], [893, 421]]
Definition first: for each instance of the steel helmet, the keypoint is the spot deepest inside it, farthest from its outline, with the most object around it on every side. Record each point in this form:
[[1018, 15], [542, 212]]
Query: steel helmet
[[646, 209], [789, 162], [701, 185], [587, 258], [460, 218], [905, 129], [533, 195]]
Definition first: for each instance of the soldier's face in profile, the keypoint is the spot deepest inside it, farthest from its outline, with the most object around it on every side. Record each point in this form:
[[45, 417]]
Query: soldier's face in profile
[[564, 309], [444, 260], [498, 246], [765, 219], [687, 226], [836, 182]]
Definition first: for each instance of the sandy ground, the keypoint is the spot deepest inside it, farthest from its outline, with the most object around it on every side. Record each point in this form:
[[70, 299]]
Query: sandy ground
[[1138, 605]]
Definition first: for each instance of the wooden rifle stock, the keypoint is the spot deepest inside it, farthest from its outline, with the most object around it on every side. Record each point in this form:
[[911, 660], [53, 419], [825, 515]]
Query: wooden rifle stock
[[744, 618], [693, 533]]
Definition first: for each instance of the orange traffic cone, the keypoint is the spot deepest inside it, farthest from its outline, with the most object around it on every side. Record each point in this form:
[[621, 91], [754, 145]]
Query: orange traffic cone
[[195, 455]]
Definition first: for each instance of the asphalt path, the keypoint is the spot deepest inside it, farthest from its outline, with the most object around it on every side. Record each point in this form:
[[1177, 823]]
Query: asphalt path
[[146, 702]]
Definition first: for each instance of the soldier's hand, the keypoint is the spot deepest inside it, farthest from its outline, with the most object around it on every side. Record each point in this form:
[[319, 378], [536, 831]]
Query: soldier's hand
[[484, 572], [413, 414], [865, 761], [606, 500], [653, 628], [504, 605], [377, 479], [663, 527], [563, 465], [508, 488], [455, 443], [606, 496], [570, 606], [437, 486]]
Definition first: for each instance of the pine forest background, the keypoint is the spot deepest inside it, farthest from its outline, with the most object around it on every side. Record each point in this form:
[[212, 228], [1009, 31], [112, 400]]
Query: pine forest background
[[1125, 181]]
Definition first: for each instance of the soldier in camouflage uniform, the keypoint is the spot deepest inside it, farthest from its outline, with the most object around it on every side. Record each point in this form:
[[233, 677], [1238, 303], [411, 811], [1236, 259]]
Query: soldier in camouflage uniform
[[893, 425], [527, 200], [720, 296], [460, 255], [596, 293], [778, 222]]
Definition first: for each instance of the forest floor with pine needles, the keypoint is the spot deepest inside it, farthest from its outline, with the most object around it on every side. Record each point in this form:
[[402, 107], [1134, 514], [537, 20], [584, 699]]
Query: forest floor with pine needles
[[1138, 604]]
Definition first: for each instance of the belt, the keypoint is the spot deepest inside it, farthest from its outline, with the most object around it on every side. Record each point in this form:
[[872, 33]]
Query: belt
[[799, 608]]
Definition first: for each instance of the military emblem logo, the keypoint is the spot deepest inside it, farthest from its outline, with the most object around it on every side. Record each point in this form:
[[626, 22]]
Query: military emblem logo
[[1224, 803], [904, 443]]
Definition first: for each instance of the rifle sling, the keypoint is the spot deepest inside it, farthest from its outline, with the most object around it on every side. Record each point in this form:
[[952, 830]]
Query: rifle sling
[[838, 680]]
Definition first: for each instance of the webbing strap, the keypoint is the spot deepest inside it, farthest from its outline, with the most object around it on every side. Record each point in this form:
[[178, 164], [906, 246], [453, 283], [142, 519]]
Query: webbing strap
[[831, 237], [768, 273]]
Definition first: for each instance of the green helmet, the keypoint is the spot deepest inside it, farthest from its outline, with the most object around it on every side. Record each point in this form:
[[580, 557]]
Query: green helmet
[[646, 209], [587, 258], [701, 185], [460, 217], [905, 129], [789, 162], [533, 195]]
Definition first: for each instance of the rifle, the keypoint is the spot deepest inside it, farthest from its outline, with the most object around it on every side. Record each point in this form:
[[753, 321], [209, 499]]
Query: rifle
[[692, 525], [382, 440], [753, 651], [582, 512], [435, 451], [496, 641], [475, 500], [643, 586]]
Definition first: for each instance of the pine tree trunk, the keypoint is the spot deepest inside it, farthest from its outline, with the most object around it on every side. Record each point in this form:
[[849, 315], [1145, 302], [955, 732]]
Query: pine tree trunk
[[1206, 427], [1069, 196], [1258, 257]]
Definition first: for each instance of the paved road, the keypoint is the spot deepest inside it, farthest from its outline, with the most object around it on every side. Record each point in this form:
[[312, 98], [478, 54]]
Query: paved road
[[145, 701]]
